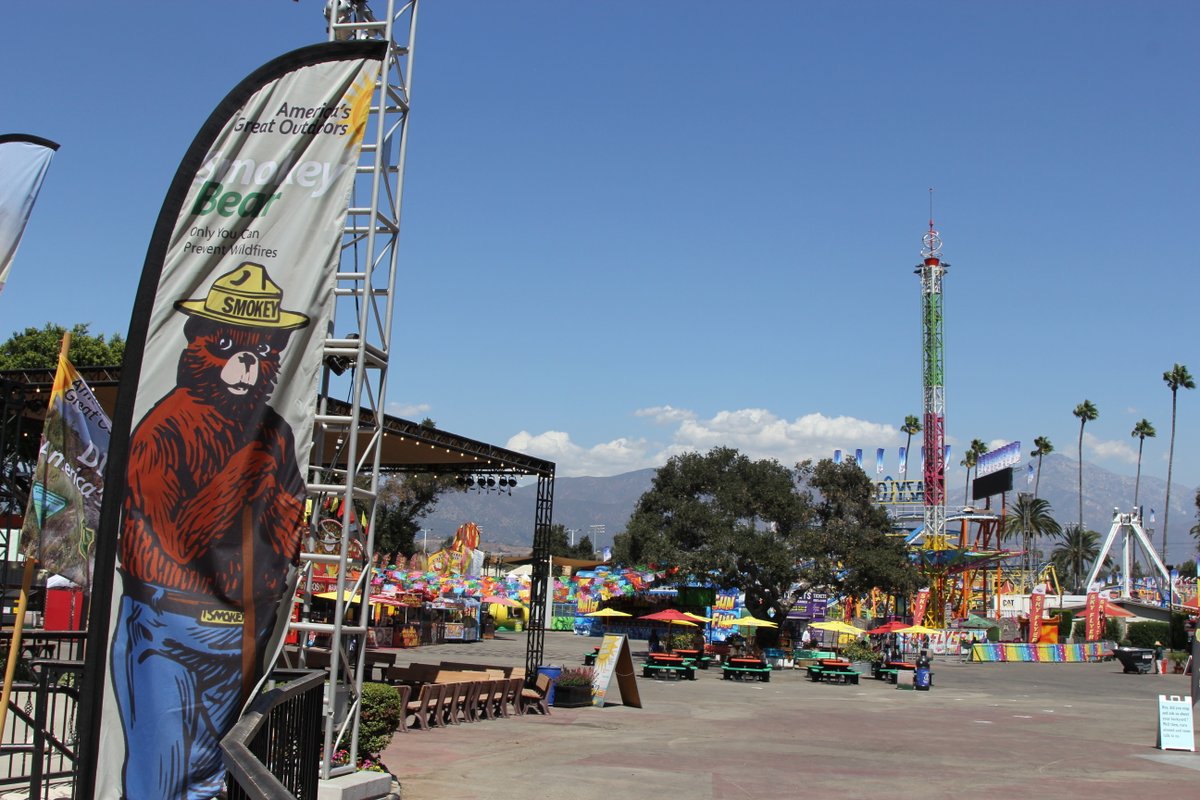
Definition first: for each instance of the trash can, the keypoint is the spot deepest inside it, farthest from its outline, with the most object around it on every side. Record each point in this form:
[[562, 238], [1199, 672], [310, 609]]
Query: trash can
[[1136, 659], [921, 681], [553, 673]]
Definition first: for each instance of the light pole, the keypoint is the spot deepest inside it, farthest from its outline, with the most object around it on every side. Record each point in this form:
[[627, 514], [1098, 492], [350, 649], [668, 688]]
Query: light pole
[[596, 532], [425, 540], [571, 533]]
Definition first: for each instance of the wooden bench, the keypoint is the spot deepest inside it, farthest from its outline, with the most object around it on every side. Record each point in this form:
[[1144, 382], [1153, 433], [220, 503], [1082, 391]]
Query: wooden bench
[[679, 670], [755, 673]]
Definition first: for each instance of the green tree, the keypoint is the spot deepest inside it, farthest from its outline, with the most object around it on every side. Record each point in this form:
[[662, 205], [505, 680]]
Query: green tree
[[1078, 550], [1142, 430], [725, 517], [1041, 447], [971, 460], [1031, 518], [560, 544], [912, 425], [403, 501], [1176, 378], [1085, 412], [584, 547], [36, 348], [849, 548]]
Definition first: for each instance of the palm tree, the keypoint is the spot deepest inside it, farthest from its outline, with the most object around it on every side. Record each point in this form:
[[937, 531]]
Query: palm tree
[[1143, 431], [969, 460], [1086, 412], [1042, 447], [1031, 517], [1176, 378], [911, 425], [1078, 550]]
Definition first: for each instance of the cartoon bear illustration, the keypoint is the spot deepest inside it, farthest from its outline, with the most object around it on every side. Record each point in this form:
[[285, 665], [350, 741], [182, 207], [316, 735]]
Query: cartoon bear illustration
[[212, 517]]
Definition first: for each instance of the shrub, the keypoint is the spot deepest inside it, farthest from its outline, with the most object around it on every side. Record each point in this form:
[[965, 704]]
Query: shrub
[[860, 651], [380, 715], [575, 676], [1065, 620], [1178, 640], [1145, 634], [682, 641]]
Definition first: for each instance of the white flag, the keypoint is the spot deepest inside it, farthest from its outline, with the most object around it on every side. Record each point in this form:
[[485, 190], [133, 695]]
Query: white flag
[[23, 163]]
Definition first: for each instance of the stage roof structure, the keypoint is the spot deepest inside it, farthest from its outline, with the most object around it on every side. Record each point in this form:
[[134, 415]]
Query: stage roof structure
[[407, 446]]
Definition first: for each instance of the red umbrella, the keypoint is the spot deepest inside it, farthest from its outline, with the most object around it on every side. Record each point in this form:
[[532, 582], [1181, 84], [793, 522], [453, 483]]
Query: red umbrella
[[669, 615], [889, 627], [1113, 610]]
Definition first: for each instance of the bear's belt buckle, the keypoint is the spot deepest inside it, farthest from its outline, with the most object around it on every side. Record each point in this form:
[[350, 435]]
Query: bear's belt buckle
[[221, 616]]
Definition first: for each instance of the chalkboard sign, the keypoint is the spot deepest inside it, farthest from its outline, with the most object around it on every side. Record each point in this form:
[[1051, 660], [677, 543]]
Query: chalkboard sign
[[1175, 723], [614, 656]]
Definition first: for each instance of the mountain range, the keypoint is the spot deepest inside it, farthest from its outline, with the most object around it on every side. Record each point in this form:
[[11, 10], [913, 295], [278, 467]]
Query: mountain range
[[581, 503]]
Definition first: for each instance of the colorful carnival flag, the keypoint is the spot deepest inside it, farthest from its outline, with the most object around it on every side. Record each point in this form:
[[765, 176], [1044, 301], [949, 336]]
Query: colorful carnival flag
[[920, 603], [215, 419], [1094, 626], [24, 161], [1037, 607], [68, 482]]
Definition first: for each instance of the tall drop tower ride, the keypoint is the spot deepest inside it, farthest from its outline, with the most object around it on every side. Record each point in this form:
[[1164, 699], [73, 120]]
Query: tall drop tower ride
[[932, 269]]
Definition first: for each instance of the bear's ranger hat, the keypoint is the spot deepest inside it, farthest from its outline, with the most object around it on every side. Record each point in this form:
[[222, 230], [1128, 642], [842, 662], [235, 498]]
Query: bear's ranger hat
[[246, 297]]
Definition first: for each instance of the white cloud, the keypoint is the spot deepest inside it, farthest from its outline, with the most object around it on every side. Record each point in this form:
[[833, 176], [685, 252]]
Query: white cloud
[[572, 460], [1120, 449], [665, 415], [409, 411], [755, 432], [758, 433]]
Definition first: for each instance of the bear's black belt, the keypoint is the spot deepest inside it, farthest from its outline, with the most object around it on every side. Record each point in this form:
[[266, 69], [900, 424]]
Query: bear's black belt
[[200, 607]]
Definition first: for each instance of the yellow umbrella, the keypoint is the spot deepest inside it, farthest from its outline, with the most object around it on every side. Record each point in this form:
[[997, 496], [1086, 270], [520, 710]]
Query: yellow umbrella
[[919, 630], [697, 617], [837, 626], [753, 622], [608, 612], [346, 598]]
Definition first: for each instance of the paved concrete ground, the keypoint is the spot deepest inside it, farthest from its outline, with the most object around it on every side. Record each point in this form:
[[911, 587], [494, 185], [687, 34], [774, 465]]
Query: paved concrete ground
[[984, 731]]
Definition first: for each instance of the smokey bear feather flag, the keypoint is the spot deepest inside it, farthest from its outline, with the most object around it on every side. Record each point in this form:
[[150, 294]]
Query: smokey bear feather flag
[[213, 429]]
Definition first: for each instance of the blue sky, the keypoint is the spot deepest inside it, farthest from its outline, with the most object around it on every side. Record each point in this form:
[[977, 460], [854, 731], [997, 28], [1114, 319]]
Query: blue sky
[[639, 228]]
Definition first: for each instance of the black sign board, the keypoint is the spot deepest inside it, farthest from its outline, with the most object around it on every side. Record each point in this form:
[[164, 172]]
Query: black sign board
[[996, 483]]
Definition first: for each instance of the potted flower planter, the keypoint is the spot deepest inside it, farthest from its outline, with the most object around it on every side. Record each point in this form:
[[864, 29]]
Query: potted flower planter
[[572, 696], [573, 688]]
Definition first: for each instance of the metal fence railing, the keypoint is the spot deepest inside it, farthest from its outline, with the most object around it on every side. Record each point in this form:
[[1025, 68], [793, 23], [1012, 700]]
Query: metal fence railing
[[38, 745], [274, 751]]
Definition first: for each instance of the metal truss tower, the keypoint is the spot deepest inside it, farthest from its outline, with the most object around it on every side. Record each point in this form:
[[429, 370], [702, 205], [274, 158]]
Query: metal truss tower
[[1131, 526], [343, 481], [932, 270]]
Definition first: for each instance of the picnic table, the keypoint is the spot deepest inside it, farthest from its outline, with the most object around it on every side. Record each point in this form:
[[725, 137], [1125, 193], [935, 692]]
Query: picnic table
[[667, 665], [697, 656], [832, 670], [746, 668]]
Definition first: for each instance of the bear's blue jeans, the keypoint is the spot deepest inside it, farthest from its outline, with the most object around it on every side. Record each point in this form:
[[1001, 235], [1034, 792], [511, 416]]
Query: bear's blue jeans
[[178, 684]]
